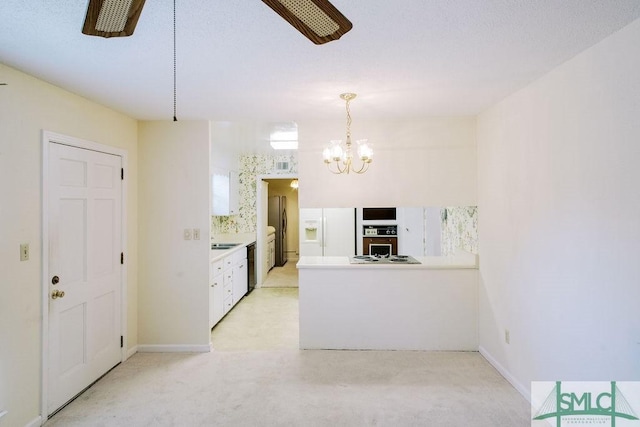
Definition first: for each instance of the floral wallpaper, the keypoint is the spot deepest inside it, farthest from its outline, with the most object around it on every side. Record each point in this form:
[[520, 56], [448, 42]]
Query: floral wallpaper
[[459, 229], [251, 165]]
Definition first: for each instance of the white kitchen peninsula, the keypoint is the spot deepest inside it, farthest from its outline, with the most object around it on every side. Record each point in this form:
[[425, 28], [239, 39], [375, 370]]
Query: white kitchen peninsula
[[427, 306]]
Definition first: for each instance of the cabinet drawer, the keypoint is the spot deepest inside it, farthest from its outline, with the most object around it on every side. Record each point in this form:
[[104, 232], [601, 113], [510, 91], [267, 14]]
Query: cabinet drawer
[[228, 261], [228, 287], [216, 268], [238, 256], [228, 303], [228, 276]]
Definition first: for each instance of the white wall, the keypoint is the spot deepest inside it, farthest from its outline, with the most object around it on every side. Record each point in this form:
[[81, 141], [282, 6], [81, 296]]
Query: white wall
[[226, 140], [28, 106], [560, 220], [174, 273], [428, 162]]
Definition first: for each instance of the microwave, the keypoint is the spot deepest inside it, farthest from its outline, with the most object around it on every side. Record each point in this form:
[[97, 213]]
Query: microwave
[[378, 214]]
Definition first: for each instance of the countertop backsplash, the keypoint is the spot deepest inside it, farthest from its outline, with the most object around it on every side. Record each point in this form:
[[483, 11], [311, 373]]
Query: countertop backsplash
[[460, 229]]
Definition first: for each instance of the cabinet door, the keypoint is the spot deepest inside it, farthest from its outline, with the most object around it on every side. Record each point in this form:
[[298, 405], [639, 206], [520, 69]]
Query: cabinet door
[[211, 305], [272, 254], [240, 281], [225, 187], [216, 300], [220, 190], [411, 231], [234, 193]]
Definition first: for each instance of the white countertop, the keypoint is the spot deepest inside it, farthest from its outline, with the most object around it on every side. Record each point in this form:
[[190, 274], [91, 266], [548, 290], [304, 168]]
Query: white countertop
[[244, 239], [234, 238], [459, 260]]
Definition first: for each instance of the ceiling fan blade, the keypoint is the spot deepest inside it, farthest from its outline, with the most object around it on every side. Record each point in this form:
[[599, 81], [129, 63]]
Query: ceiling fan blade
[[112, 18], [318, 20]]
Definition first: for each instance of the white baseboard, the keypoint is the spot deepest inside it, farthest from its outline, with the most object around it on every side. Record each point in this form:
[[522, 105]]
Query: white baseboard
[[173, 348], [36, 422], [131, 351], [524, 391]]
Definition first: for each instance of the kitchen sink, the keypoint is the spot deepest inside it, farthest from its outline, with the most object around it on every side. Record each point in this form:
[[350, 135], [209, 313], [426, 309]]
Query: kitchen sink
[[223, 246]]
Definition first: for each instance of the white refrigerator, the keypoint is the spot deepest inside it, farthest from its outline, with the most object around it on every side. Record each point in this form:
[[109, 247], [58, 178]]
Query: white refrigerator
[[327, 232]]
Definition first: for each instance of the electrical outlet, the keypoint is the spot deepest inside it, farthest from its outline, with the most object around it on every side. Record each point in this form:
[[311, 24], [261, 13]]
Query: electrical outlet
[[507, 336], [187, 234], [24, 252], [196, 234]]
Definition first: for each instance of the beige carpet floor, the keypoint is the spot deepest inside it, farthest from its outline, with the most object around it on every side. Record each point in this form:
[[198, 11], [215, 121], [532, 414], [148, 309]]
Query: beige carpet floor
[[249, 381]]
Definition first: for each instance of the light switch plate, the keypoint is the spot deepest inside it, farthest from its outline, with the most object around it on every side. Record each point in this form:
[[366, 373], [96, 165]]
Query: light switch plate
[[187, 234], [24, 252], [196, 234]]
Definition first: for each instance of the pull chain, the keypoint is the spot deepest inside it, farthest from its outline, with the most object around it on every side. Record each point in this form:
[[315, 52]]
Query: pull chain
[[174, 62]]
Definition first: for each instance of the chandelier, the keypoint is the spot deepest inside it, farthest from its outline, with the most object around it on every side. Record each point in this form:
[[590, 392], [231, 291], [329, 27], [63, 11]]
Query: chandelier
[[339, 158]]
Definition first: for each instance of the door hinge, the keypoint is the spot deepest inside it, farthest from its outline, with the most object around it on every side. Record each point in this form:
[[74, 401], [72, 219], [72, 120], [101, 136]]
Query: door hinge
[[121, 257], [122, 173], [121, 341]]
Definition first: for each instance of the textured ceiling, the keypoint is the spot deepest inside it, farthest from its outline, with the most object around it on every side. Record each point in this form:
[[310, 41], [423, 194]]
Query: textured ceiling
[[238, 60]]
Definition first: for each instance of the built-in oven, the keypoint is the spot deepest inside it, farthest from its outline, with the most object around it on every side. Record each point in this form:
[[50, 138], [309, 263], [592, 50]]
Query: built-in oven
[[381, 240]]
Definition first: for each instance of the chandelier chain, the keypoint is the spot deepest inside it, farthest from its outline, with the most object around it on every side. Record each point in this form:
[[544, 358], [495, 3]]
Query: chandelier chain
[[348, 122]]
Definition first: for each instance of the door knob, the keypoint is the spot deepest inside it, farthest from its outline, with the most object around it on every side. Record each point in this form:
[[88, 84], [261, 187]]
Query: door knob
[[57, 293], [55, 280]]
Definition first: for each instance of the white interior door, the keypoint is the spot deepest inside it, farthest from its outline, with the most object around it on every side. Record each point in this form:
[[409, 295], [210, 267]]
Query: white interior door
[[85, 222]]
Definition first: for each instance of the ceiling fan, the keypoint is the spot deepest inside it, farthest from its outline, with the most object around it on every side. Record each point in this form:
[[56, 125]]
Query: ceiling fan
[[318, 20]]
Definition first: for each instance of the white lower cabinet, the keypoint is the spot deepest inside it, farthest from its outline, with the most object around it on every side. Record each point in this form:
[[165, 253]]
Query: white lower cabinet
[[216, 294], [240, 281], [227, 285], [271, 253]]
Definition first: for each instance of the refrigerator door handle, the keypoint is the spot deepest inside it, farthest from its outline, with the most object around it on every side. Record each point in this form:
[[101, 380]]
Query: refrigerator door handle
[[284, 220]]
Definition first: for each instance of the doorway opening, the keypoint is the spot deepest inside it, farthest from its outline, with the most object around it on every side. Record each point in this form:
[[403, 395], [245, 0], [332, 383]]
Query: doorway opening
[[267, 318], [282, 242], [263, 184]]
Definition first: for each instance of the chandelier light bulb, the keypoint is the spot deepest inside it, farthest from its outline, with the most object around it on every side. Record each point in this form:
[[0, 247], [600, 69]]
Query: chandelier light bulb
[[337, 153], [326, 154], [365, 152]]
